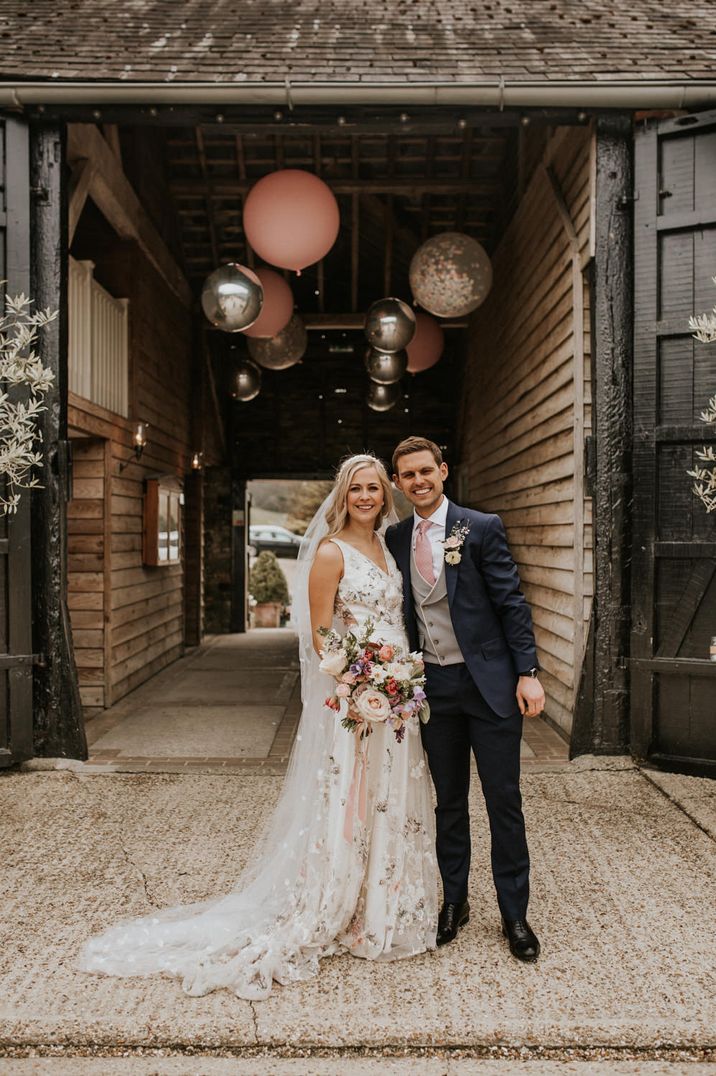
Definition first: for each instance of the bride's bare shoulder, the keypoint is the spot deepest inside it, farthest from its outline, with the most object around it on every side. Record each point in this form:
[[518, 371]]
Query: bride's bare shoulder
[[328, 557]]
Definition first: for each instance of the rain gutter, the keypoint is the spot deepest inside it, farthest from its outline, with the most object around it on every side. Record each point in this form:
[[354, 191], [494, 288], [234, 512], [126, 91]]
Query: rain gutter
[[567, 93]]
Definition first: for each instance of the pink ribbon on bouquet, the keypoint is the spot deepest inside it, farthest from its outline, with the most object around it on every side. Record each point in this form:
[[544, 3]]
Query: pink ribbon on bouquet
[[358, 786]]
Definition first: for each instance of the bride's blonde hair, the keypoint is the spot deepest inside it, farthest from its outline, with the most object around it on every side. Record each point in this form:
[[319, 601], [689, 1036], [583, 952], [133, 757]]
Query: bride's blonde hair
[[337, 511]]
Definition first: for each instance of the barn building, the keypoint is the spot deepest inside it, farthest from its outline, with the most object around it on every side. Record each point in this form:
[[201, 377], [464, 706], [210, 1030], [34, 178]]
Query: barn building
[[576, 142]]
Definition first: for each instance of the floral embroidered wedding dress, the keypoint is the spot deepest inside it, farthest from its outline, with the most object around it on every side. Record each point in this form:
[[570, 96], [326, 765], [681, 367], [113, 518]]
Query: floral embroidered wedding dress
[[310, 892]]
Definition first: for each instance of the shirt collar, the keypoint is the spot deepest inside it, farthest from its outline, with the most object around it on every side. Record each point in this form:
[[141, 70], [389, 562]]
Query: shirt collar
[[439, 516]]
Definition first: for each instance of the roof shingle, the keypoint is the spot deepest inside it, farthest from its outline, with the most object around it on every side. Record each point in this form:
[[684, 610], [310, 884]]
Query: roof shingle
[[372, 41]]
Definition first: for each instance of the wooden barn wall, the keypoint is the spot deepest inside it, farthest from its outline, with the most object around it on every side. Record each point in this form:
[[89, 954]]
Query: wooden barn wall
[[143, 607], [527, 406]]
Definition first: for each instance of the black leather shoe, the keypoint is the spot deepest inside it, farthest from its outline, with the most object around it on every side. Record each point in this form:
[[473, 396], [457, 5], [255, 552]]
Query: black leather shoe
[[523, 940], [451, 918]]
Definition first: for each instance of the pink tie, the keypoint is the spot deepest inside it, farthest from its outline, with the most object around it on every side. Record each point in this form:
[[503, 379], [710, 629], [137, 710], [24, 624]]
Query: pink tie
[[424, 553]]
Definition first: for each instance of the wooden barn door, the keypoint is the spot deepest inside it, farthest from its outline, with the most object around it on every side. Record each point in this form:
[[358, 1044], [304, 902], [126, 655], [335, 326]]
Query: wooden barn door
[[673, 684], [15, 578]]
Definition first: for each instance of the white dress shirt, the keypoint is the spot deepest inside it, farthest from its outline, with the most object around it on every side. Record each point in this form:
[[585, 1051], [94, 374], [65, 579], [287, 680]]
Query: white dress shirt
[[435, 534]]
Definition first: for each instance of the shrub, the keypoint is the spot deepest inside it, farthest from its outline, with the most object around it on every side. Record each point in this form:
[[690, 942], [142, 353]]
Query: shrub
[[267, 583]]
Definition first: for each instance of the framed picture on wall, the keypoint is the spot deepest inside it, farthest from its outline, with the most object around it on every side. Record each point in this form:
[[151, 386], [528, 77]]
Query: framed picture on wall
[[163, 502]]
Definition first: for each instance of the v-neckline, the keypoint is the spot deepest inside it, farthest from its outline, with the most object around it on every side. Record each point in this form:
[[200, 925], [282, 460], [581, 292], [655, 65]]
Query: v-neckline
[[383, 571]]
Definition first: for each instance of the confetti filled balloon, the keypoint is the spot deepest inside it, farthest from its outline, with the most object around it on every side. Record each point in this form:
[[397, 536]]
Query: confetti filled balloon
[[246, 381], [291, 218], [283, 350], [277, 306], [426, 347], [385, 367], [232, 297], [389, 325], [382, 397], [450, 275]]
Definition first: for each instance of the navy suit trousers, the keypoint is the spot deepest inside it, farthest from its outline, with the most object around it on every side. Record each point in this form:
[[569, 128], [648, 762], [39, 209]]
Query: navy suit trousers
[[460, 722]]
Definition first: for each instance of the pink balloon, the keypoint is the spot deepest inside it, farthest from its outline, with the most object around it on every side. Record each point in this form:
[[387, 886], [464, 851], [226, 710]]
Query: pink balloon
[[278, 305], [291, 218], [427, 344]]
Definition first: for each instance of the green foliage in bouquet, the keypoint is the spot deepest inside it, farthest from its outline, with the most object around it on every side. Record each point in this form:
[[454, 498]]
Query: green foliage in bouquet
[[267, 583]]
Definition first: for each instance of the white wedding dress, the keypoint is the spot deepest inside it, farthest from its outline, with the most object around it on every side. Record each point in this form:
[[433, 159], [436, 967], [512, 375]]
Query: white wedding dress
[[311, 889]]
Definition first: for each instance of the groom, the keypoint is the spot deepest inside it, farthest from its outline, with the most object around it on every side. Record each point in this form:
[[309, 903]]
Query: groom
[[464, 609]]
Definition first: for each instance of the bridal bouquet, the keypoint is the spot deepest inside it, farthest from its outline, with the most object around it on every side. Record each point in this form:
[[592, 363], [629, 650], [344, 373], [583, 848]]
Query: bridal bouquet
[[377, 681]]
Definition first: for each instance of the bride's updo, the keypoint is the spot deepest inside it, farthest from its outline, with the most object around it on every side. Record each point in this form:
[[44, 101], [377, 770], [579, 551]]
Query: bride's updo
[[337, 511]]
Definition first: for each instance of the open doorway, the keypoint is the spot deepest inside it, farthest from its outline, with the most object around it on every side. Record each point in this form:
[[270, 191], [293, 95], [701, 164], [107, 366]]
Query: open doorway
[[508, 402]]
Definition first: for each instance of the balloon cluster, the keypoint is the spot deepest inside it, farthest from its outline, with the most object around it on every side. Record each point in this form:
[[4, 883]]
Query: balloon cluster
[[291, 220], [389, 328]]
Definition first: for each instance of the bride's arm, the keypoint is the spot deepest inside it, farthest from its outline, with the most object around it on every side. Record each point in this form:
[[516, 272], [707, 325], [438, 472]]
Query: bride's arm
[[323, 581]]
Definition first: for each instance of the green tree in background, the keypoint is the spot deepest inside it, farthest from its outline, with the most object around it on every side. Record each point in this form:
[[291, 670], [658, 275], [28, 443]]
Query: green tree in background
[[307, 501], [267, 583]]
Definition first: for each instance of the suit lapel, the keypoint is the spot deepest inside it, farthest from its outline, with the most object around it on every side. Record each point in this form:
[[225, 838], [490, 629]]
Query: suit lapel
[[451, 570], [402, 558]]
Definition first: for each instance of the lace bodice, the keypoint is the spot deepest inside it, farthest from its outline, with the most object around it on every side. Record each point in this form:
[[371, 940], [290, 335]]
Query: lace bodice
[[366, 592]]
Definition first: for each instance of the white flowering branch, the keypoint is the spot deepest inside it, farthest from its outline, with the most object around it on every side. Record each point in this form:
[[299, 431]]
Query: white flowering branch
[[704, 329], [20, 365]]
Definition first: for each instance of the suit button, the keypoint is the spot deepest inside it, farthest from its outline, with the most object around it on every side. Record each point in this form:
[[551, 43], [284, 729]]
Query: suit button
[[430, 623]]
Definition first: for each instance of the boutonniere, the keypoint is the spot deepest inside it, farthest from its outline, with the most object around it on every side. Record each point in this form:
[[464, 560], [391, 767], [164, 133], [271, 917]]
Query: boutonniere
[[454, 542]]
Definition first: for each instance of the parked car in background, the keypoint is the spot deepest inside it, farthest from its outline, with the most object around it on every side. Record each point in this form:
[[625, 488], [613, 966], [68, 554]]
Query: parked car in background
[[278, 540]]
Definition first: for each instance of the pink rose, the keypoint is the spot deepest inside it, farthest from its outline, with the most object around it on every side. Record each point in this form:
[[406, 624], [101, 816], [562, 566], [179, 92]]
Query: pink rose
[[452, 542], [386, 652], [343, 691], [348, 678], [372, 705]]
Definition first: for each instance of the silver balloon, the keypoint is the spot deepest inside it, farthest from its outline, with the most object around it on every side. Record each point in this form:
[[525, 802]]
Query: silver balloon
[[246, 381], [283, 350], [389, 325], [450, 275], [382, 397], [386, 367], [232, 297]]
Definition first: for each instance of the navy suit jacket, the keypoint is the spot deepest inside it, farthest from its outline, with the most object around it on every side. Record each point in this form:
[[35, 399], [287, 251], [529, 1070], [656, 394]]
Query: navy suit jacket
[[490, 616]]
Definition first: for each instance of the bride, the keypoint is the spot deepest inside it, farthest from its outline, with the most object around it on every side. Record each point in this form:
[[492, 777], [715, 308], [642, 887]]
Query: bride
[[321, 880]]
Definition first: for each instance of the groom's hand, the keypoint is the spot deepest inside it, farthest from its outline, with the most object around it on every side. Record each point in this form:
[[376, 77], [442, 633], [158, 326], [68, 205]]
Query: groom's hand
[[530, 696]]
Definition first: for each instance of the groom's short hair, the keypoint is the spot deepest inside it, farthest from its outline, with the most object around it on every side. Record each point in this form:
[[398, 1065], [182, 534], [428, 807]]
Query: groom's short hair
[[416, 444]]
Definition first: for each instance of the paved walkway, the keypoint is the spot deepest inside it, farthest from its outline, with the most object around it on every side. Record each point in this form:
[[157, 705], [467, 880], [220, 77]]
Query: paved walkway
[[232, 706]]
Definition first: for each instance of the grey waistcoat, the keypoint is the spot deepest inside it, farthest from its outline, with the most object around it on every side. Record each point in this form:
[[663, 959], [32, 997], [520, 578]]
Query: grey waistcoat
[[435, 630]]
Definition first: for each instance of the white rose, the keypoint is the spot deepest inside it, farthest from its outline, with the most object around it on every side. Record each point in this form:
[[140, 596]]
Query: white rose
[[398, 670], [379, 675], [372, 705], [334, 663]]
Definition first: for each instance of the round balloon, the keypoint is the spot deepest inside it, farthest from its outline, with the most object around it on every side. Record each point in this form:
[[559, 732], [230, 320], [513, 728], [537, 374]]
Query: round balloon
[[232, 297], [277, 306], [291, 218], [427, 345], [450, 275], [382, 397], [389, 325], [283, 350], [385, 367], [246, 381]]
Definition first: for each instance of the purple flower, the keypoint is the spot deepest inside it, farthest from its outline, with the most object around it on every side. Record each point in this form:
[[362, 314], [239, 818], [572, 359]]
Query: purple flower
[[357, 668], [418, 694]]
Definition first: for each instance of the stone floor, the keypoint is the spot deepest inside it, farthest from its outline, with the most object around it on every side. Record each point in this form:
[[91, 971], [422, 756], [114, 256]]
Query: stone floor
[[232, 706], [624, 875], [182, 776]]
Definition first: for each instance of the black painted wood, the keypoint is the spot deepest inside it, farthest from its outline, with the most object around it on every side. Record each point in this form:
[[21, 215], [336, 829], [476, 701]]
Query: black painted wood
[[673, 577], [15, 559], [612, 344], [58, 725]]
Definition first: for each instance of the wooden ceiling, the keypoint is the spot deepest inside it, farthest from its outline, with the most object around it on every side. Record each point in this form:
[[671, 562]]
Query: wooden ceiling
[[394, 187], [397, 182]]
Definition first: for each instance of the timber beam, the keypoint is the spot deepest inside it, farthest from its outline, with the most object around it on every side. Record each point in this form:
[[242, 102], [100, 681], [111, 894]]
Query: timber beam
[[114, 196]]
